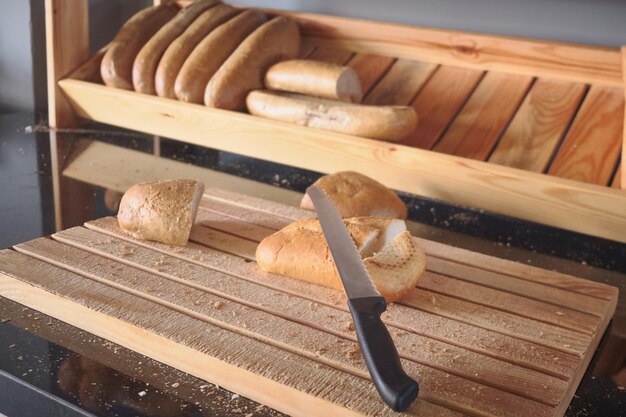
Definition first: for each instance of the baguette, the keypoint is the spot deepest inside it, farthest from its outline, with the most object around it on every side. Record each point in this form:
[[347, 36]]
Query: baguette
[[357, 195], [144, 67], [179, 50], [163, 211], [315, 78], [392, 257], [212, 52], [390, 123], [274, 41], [117, 64]]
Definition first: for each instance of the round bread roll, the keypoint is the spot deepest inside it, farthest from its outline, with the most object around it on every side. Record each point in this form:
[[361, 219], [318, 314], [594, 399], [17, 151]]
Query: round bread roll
[[315, 78], [355, 195], [390, 123], [163, 211], [392, 257]]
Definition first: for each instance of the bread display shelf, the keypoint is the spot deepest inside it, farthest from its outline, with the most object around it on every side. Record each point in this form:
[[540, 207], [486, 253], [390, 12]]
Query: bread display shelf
[[482, 335], [523, 128]]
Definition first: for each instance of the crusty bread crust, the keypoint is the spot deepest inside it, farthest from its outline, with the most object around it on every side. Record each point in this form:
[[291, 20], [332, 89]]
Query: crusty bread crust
[[315, 78], [212, 52], [117, 64], [179, 50], [145, 65], [163, 211], [355, 195], [389, 123], [300, 251], [274, 41]]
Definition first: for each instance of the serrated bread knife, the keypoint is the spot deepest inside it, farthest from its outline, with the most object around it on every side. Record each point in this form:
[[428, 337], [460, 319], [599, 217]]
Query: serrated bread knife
[[366, 305]]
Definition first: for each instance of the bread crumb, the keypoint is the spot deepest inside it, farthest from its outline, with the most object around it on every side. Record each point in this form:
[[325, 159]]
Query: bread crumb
[[175, 385], [559, 313], [218, 305]]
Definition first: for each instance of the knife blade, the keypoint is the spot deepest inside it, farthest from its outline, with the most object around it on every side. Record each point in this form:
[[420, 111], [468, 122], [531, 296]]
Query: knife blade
[[366, 304]]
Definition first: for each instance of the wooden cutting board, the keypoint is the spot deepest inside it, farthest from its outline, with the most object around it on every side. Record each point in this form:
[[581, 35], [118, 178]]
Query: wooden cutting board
[[482, 335]]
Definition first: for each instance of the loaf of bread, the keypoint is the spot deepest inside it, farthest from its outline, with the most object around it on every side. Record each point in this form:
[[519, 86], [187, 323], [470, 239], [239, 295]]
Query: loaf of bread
[[357, 195], [163, 211], [392, 257], [117, 64], [178, 51], [145, 64], [274, 41], [315, 78], [390, 123], [212, 52]]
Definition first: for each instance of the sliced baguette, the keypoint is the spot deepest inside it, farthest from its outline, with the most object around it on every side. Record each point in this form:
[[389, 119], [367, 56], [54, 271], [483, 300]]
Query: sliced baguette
[[355, 194], [274, 41], [390, 123], [145, 65], [117, 64], [180, 49], [391, 255], [315, 78], [163, 211], [212, 52]]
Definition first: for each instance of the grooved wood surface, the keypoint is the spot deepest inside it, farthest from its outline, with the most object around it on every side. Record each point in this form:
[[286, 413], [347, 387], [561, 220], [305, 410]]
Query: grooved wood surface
[[481, 336], [592, 145], [401, 83]]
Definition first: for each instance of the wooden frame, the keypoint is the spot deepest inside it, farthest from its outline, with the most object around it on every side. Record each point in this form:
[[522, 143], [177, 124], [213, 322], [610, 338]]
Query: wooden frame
[[573, 205]]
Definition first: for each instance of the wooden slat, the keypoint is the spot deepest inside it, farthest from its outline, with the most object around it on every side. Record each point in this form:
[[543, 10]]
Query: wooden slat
[[580, 63], [592, 145], [622, 180], [218, 221], [475, 131], [332, 55], [275, 377], [249, 208], [288, 333], [538, 126], [502, 189], [370, 69], [401, 83], [306, 49], [473, 338], [439, 101]]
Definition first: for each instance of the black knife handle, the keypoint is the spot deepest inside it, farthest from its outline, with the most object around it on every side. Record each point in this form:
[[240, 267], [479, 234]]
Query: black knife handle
[[394, 385]]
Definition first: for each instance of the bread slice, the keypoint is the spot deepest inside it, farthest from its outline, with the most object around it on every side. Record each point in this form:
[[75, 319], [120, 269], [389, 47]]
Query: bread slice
[[163, 211], [391, 255], [356, 195]]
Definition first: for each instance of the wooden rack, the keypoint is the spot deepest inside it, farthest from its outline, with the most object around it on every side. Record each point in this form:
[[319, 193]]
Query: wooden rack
[[524, 128]]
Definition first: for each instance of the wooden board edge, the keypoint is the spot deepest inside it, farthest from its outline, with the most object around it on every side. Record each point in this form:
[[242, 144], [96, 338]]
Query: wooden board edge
[[443, 177], [623, 170], [268, 392], [586, 359]]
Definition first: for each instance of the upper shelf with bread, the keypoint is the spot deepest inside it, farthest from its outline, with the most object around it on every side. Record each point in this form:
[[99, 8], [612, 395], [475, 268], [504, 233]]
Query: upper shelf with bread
[[524, 128]]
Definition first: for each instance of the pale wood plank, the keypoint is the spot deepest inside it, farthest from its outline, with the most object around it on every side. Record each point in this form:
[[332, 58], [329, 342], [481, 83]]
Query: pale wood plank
[[527, 354], [538, 126], [306, 48], [249, 208], [475, 131], [592, 145], [67, 46], [275, 377], [235, 211], [580, 63], [502, 189], [279, 332], [118, 168], [439, 102], [401, 83], [225, 242], [445, 357], [370, 69], [218, 221], [331, 55]]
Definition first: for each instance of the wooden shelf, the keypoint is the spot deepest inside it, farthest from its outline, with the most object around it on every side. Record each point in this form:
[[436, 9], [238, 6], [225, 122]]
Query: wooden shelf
[[523, 128]]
